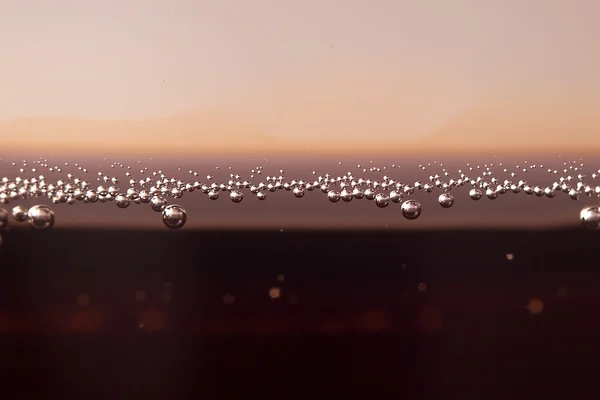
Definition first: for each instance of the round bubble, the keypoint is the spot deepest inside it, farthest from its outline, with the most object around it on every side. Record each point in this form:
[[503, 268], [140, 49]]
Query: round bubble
[[299, 192], [396, 197], [346, 195], [590, 217], [19, 214], [574, 194], [446, 200], [261, 195], [145, 197], [333, 196], [236, 196], [3, 218], [91, 196], [213, 195], [358, 194], [369, 194], [122, 201], [491, 194], [158, 203], [40, 217], [475, 194], [411, 209], [174, 216], [382, 200]]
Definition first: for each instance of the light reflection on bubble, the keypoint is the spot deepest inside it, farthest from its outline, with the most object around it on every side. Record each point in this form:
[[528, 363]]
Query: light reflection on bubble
[[376, 183]]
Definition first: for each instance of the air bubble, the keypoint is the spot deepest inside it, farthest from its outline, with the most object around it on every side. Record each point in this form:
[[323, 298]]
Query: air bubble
[[446, 200], [411, 209], [174, 216], [590, 217], [40, 217]]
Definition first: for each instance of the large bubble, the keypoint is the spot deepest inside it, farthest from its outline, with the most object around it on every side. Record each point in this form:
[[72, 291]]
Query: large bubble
[[411, 209], [590, 217], [174, 216], [40, 217], [3, 218]]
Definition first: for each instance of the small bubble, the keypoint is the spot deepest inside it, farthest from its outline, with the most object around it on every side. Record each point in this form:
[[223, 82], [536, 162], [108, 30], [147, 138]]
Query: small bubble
[[510, 256]]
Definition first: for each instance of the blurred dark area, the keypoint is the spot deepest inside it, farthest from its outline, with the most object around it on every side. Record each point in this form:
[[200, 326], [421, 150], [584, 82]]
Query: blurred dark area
[[299, 314]]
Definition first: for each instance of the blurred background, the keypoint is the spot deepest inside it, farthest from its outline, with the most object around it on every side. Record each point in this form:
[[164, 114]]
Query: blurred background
[[292, 297]]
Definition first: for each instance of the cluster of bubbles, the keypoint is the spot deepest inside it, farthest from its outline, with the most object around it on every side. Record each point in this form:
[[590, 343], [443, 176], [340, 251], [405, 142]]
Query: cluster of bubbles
[[157, 189]]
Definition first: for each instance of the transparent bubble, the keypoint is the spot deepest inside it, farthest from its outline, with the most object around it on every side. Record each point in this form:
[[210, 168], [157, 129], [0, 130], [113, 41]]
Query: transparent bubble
[[174, 216], [158, 203], [40, 217], [275, 293], [590, 217], [369, 194], [122, 201], [144, 196], [333, 196], [396, 197], [411, 209], [491, 194], [176, 193], [3, 218], [156, 187], [382, 200], [236, 196], [574, 194], [475, 194], [446, 200], [139, 295], [19, 214], [91, 196], [346, 195], [358, 194]]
